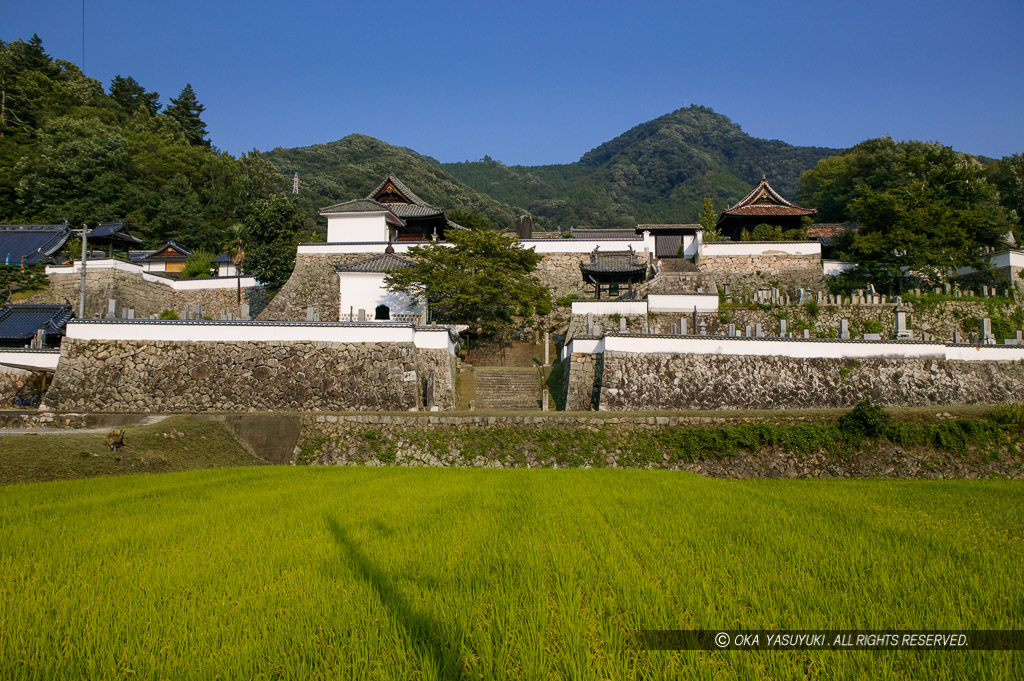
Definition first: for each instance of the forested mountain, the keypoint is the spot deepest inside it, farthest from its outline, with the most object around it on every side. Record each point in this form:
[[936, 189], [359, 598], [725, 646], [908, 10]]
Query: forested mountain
[[659, 171], [351, 167], [71, 151]]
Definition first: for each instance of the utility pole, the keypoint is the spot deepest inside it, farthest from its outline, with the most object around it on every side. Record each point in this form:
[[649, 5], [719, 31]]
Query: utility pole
[[81, 298]]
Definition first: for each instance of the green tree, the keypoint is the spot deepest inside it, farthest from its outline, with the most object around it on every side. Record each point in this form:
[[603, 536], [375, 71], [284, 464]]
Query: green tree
[[79, 173], [274, 226], [1007, 175], [199, 265], [186, 110], [709, 221], [485, 280], [470, 220], [925, 209], [130, 96]]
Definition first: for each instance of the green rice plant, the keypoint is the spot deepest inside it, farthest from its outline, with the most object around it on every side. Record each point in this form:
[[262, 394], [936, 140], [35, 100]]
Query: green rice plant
[[426, 573]]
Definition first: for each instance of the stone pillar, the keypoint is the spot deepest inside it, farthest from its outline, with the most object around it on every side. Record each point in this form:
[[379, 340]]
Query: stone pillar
[[547, 353], [844, 329], [958, 337], [673, 329], [747, 331], [622, 325], [807, 333], [682, 326], [362, 315], [758, 333], [782, 328], [732, 331], [310, 311], [111, 309], [244, 313]]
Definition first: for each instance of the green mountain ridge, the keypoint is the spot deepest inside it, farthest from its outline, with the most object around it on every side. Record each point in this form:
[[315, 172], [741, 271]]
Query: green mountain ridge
[[658, 171]]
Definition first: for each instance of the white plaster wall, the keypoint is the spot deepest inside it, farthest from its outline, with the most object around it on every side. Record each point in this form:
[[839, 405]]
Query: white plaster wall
[[833, 268], [201, 284], [739, 248], [210, 331], [641, 244], [105, 264], [366, 290], [226, 269], [357, 227], [607, 307], [682, 303], [367, 248], [799, 349], [37, 359]]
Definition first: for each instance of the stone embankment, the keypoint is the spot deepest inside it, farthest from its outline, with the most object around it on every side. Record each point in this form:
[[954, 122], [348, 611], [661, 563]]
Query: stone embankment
[[558, 441], [167, 376]]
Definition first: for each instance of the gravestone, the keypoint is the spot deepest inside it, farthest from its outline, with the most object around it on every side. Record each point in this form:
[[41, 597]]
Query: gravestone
[[844, 329], [682, 326], [732, 331], [703, 329], [901, 330], [782, 328], [111, 309], [985, 332], [747, 331], [244, 314], [757, 331], [673, 329], [958, 337], [622, 325], [807, 333], [362, 315]]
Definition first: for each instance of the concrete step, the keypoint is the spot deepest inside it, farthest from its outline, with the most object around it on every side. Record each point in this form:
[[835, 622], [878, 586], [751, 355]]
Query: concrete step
[[507, 388]]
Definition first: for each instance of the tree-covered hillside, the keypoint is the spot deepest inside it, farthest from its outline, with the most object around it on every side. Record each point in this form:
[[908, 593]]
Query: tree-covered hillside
[[351, 167], [71, 151], [659, 171]]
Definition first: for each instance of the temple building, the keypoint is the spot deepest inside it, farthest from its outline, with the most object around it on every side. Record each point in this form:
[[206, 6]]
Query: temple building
[[614, 272], [763, 205], [389, 213]]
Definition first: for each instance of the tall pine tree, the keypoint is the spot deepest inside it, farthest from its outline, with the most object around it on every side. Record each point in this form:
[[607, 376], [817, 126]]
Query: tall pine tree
[[128, 94], [186, 110]]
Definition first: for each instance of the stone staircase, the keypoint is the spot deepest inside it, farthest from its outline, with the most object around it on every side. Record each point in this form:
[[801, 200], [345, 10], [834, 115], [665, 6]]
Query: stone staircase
[[507, 388]]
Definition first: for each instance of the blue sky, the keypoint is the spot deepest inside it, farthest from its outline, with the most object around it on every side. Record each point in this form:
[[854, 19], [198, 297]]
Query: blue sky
[[544, 82]]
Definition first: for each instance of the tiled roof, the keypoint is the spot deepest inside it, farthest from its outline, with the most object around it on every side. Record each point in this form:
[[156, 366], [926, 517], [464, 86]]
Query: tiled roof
[[223, 257], [385, 262], [183, 253], [764, 200], [19, 322], [613, 261], [356, 206], [828, 233], [603, 233], [113, 233], [668, 228], [33, 243], [399, 186], [410, 210]]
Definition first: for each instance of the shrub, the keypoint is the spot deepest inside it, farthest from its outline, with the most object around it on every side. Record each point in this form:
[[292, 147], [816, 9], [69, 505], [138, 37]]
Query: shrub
[[168, 314], [865, 420], [199, 265], [872, 326], [812, 308]]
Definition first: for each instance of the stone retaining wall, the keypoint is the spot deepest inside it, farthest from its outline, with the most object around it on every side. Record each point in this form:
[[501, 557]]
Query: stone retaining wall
[[756, 271], [147, 298], [15, 382], [313, 283], [168, 376], [663, 381], [558, 441]]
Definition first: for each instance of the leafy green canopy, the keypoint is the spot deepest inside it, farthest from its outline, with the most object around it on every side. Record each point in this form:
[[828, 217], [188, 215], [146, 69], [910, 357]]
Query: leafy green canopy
[[925, 209], [485, 280], [274, 228], [70, 151]]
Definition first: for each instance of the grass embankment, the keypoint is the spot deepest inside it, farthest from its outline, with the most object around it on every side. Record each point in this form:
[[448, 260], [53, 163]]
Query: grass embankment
[[196, 443], [491, 574]]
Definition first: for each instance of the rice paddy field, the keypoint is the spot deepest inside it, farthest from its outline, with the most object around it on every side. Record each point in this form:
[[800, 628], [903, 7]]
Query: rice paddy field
[[419, 573]]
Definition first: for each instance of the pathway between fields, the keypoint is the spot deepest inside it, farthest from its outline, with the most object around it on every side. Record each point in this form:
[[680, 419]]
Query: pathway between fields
[[148, 421]]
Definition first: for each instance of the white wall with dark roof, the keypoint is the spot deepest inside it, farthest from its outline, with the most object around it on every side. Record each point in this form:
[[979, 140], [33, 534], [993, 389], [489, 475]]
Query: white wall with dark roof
[[357, 228], [365, 291]]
